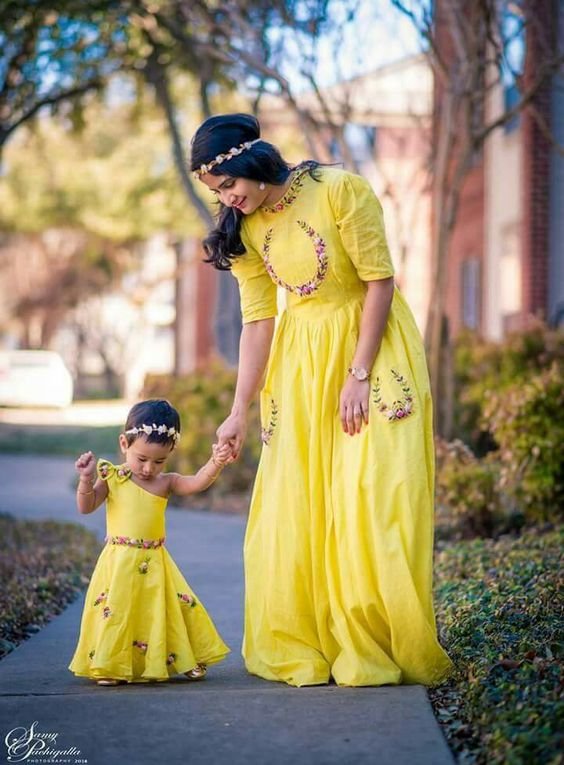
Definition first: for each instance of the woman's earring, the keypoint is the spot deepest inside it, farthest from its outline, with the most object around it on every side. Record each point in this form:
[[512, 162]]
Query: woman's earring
[[262, 186]]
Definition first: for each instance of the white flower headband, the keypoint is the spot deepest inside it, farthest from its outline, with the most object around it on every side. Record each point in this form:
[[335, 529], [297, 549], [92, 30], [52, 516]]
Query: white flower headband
[[234, 152], [148, 429]]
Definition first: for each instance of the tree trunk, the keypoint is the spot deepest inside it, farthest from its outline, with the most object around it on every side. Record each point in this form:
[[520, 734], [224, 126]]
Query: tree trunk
[[157, 76]]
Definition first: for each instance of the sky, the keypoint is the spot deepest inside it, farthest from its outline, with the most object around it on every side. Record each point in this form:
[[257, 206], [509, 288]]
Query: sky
[[378, 35]]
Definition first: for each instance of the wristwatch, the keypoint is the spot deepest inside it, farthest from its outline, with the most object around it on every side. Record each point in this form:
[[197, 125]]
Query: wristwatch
[[360, 373]]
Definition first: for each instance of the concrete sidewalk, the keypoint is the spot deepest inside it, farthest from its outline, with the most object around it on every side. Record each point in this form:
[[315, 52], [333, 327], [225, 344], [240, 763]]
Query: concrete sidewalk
[[230, 718]]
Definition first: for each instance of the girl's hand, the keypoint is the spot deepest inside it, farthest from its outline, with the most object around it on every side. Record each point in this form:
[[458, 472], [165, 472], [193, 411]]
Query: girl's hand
[[86, 466], [222, 454], [353, 408], [232, 432]]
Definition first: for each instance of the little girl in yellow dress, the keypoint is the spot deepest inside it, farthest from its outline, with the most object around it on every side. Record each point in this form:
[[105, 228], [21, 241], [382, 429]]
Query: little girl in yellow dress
[[141, 620]]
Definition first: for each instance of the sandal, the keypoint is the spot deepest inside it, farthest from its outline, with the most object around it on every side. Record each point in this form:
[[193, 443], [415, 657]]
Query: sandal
[[197, 673], [109, 681]]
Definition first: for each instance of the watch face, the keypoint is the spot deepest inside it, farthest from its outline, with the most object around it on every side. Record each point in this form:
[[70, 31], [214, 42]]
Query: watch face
[[359, 373]]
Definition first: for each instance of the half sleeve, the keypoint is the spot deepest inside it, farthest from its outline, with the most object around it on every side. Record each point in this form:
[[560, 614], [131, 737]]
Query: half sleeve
[[360, 221], [257, 291]]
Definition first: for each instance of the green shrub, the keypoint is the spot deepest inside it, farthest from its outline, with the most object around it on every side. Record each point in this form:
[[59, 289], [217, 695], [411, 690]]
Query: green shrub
[[527, 422], [43, 567], [482, 366], [468, 500], [501, 618], [204, 400]]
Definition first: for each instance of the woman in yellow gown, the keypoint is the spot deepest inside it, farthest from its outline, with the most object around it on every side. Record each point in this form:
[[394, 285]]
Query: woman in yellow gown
[[339, 542]]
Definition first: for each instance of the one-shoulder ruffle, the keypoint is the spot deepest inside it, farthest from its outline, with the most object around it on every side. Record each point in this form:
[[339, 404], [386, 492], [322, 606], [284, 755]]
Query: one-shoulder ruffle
[[106, 469]]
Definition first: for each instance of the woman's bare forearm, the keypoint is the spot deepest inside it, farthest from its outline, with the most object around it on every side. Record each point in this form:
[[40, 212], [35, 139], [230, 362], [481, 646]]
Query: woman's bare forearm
[[254, 349], [373, 322]]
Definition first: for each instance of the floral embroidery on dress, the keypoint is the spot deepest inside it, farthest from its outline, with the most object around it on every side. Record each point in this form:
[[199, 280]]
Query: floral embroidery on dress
[[144, 566], [188, 599], [101, 598], [267, 433], [400, 408], [106, 613], [320, 248], [106, 469], [91, 655], [171, 658], [142, 544], [141, 645], [291, 194]]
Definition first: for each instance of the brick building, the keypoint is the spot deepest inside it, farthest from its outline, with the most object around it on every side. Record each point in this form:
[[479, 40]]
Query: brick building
[[506, 257]]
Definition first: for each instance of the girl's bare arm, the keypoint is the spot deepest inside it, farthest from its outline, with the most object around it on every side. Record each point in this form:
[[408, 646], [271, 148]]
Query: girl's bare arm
[[91, 491]]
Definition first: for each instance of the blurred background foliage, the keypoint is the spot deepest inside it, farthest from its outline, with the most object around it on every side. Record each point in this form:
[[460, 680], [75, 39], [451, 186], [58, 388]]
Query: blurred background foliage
[[123, 192], [505, 467]]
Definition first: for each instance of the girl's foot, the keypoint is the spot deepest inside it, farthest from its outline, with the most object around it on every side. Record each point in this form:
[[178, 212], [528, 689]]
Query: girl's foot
[[109, 681], [197, 673]]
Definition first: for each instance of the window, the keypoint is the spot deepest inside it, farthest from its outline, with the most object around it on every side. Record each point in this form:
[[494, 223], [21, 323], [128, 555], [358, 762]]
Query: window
[[470, 303]]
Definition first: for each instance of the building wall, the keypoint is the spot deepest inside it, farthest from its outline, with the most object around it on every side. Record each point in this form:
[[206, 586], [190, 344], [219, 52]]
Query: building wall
[[464, 303], [507, 242]]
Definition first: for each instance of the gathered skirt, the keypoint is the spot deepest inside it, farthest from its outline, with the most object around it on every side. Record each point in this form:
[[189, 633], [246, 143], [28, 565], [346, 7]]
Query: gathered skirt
[[339, 544], [141, 620]]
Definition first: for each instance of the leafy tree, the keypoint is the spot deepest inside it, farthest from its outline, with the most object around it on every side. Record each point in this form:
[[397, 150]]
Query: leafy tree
[[51, 53]]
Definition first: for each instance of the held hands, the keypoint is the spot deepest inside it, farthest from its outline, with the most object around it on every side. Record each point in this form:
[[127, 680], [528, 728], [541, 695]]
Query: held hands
[[353, 406], [221, 455], [86, 466], [232, 433]]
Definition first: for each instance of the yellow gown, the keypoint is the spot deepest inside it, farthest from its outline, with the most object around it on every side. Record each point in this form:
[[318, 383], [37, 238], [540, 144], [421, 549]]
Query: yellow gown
[[339, 542], [141, 620]]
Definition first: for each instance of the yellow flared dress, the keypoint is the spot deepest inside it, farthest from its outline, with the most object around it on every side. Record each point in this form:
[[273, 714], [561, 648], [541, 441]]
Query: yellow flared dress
[[339, 542], [141, 620]]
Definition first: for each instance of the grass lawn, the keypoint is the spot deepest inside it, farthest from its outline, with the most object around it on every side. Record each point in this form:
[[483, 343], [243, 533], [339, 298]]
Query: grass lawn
[[67, 440]]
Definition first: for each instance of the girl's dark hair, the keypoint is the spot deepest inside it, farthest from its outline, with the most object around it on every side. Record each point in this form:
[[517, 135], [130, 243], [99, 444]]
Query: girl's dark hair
[[156, 411], [262, 162]]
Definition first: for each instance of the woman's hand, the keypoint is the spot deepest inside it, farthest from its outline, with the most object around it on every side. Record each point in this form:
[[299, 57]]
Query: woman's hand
[[353, 408], [232, 432], [86, 466]]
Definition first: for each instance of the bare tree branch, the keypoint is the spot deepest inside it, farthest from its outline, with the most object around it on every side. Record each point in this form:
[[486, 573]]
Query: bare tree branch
[[64, 95]]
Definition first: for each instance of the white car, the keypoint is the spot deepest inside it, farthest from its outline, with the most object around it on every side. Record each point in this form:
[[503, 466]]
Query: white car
[[34, 378]]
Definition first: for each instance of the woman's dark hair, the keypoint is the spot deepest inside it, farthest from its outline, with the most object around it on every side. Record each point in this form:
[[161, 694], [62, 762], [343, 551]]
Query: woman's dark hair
[[261, 162], [153, 411]]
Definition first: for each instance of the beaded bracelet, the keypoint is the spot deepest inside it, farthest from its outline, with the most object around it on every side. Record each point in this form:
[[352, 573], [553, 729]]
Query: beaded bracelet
[[210, 475]]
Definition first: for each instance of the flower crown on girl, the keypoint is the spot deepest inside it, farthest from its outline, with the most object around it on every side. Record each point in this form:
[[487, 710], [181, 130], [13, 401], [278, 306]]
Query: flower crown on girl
[[148, 429]]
